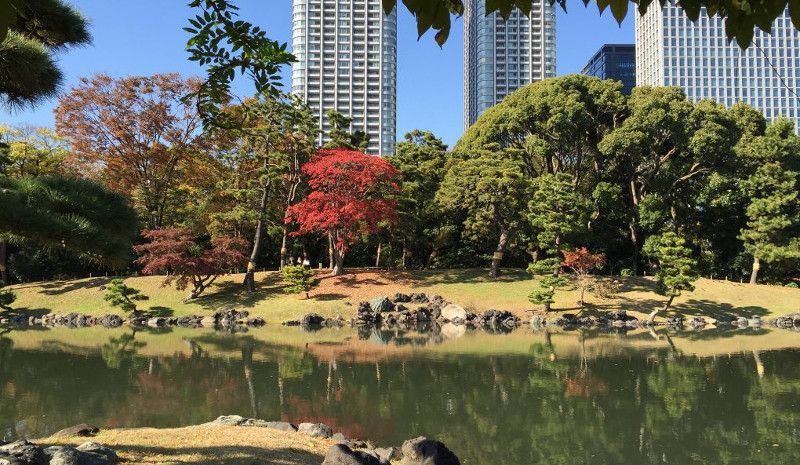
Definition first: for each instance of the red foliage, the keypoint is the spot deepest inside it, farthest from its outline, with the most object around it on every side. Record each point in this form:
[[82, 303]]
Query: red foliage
[[175, 251], [582, 261], [351, 195]]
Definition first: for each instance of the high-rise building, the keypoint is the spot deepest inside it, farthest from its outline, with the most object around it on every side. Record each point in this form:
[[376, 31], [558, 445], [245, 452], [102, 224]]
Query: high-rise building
[[614, 61], [671, 50], [347, 61], [500, 56]]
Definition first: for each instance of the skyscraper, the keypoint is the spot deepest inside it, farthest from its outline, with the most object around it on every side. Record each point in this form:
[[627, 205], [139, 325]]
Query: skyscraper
[[671, 50], [347, 61], [501, 56], [614, 61]]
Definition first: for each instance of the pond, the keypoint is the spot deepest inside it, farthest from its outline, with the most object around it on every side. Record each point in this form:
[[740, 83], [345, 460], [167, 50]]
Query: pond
[[528, 397]]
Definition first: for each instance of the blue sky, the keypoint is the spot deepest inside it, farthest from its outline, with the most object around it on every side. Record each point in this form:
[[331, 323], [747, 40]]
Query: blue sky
[[142, 37]]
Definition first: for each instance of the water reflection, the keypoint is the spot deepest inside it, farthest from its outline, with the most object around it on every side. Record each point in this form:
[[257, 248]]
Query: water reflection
[[602, 401]]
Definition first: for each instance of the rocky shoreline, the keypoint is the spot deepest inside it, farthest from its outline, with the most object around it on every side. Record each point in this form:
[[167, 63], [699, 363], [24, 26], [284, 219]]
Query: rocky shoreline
[[344, 451]]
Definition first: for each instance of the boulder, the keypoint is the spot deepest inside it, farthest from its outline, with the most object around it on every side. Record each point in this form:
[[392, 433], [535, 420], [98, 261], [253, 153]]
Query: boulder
[[281, 426], [419, 298], [381, 304], [401, 298], [340, 454], [228, 420], [453, 312], [24, 452], [424, 451], [84, 429], [99, 450], [313, 320], [316, 430], [388, 453]]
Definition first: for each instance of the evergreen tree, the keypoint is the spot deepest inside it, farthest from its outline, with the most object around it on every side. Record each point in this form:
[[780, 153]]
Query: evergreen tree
[[120, 295], [29, 70], [299, 279], [677, 270]]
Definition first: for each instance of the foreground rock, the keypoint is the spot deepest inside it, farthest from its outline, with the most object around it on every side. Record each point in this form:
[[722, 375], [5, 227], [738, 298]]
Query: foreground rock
[[340, 454], [424, 451], [26, 453], [315, 430]]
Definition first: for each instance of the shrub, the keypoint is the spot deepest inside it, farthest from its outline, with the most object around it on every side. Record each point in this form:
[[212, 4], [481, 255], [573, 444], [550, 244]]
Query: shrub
[[299, 279], [122, 296], [793, 285], [626, 273], [7, 297]]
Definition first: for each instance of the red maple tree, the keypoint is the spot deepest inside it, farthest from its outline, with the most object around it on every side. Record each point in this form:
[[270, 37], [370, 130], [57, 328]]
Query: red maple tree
[[351, 195], [580, 263], [176, 253]]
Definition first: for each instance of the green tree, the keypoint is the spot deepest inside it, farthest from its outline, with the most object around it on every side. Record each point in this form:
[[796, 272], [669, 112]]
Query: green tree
[[32, 152], [677, 269], [771, 234], [773, 209], [340, 134], [557, 211], [491, 189], [36, 31], [299, 279], [421, 160], [544, 294], [125, 297]]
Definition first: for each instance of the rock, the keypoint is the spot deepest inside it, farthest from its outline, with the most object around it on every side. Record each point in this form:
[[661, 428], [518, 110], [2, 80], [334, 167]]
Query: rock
[[419, 298], [339, 437], [381, 304], [453, 312], [208, 322], [84, 429], [401, 298], [453, 331], [388, 453], [101, 451], [340, 454], [316, 430], [424, 451], [313, 320], [281, 426], [25, 452], [228, 420]]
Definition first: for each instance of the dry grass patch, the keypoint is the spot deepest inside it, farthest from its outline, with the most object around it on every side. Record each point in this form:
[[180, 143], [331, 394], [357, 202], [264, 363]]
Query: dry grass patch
[[229, 445]]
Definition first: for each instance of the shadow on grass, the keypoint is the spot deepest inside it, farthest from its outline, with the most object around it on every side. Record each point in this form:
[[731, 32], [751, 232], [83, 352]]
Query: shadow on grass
[[330, 296], [718, 310], [221, 455], [233, 293], [469, 276], [63, 287]]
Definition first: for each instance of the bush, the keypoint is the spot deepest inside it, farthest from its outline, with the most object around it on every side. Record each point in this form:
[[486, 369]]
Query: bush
[[299, 279], [793, 285], [122, 296], [626, 273], [7, 297], [606, 288]]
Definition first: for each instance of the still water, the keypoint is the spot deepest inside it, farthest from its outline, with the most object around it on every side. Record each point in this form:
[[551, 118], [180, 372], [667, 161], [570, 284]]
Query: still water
[[522, 398]]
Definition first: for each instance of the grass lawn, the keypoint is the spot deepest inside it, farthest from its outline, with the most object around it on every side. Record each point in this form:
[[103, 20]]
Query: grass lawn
[[234, 445], [472, 289]]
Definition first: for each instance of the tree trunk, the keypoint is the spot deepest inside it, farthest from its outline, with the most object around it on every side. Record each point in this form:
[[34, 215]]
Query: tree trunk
[[285, 245], [497, 258], [557, 269], [635, 240], [378, 257], [338, 262], [756, 268], [4, 261], [432, 257], [666, 307], [331, 259], [406, 255], [250, 276]]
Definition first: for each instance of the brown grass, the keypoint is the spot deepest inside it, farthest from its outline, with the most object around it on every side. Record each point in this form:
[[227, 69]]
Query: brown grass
[[231, 445]]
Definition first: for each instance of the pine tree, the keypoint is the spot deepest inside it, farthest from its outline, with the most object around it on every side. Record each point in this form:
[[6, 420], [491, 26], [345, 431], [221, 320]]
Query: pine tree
[[122, 296], [677, 269], [299, 279]]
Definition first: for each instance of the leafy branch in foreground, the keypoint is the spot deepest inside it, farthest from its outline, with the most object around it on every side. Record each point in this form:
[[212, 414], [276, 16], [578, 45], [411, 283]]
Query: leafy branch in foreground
[[228, 47]]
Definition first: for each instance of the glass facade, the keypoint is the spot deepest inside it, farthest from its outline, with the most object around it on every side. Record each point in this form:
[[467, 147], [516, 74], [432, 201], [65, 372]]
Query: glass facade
[[500, 56], [671, 50], [614, 61], [347, 61]]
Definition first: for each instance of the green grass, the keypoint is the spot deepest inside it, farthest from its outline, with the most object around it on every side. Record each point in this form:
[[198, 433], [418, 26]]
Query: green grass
[[340, 296]]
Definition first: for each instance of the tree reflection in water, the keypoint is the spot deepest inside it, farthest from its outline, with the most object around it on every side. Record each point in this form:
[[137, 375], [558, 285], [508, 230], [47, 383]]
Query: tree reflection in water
[[626, 406]]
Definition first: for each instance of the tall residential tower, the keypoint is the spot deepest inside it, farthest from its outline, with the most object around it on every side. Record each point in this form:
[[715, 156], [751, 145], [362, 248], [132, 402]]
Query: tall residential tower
[[347, 61], [500, 56], [614, 61], [671, 50]]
